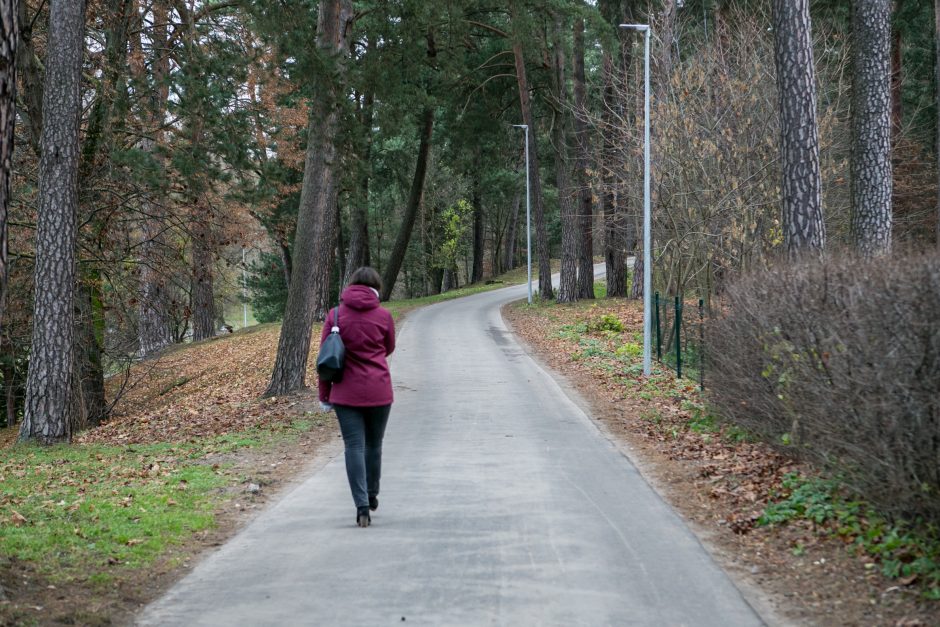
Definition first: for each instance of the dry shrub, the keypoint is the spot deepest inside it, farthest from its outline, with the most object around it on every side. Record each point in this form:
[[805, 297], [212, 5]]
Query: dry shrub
[[839, 362]]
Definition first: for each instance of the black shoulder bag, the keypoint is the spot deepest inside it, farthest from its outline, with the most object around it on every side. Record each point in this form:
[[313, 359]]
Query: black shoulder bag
[[332, 356]]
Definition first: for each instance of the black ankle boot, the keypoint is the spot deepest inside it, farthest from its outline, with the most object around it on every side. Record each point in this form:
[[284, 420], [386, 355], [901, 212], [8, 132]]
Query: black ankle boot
[[362, 517], [373, 503]]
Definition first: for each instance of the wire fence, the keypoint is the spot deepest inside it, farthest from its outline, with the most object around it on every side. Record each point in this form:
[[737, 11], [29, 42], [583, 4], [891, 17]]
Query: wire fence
[[679, 336]]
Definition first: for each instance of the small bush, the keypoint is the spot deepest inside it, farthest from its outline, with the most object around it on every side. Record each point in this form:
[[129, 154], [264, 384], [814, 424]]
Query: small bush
[[607, 322], [840, 363]]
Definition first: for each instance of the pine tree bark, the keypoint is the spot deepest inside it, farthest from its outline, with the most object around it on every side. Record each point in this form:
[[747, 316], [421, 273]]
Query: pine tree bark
[[570, 232], [802, 219], [615, 257], [359, 254], [535, 180], [9, 34], [90, 403], [202, 291], [315, 238], [871, 127], [153, 331], [477, 273], [397, 256], [585, 208], [29, 72], [48, 386], [509, 246]]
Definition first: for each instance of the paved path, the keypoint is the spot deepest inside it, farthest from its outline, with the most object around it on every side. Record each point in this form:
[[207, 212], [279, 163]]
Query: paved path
[[501, 504]]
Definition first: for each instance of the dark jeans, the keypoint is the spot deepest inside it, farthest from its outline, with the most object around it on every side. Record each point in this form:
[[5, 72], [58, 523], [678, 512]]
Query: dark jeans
[[363, 429]]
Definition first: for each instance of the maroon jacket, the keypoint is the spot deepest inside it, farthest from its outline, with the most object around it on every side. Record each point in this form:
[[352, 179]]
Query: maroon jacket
[[368, 333]]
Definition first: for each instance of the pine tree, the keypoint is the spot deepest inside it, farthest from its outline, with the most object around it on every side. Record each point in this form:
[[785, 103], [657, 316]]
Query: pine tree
[[49, 385], [871, 127], [803, 227]]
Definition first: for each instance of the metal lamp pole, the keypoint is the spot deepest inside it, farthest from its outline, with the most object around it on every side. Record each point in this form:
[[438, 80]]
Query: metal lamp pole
[[647, 237], [528, 210]]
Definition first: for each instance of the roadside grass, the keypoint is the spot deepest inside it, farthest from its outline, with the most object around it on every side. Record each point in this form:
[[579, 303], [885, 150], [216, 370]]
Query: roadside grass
[[86, 513], [603, 338]]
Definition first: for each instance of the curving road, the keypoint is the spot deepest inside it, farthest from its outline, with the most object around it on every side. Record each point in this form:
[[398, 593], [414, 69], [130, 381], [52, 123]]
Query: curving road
[[501, 504]]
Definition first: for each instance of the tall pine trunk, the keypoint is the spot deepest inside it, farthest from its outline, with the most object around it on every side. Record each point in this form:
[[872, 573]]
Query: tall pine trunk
[[615, 257], [90, 403], [871, 127], [397, 256], [570, 232], [202, 280], [9, 33], [316, 221], [936, 17], [585, 207], [359, 254], [535, 180], [802, 219], [477, 274], [48, 386], [512, 235], [154, 329]]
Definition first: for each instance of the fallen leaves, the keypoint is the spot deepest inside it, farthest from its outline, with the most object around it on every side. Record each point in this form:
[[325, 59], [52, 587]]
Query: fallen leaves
[[207, 389]]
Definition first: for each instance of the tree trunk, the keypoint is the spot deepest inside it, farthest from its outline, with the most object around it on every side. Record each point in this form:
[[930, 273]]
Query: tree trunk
[[802, 219], [359, 255], [897, 105], [154, 330], [90, 406], [615, 256], [9, 33], [871, 127], [535, 180], [48, 387], [585, 202], [315, 238], [477, 274], [29, 72], [397, 256], [936, 15], [203, 260], [90, 403], [509, 246], [570, 232]]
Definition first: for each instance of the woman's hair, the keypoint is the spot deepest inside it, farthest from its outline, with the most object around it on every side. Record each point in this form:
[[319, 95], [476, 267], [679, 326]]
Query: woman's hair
[[366, 276]]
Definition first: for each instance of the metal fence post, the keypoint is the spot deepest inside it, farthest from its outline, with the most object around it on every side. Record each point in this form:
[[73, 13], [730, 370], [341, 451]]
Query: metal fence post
[[678, 337], [659, 332], [701, 343]]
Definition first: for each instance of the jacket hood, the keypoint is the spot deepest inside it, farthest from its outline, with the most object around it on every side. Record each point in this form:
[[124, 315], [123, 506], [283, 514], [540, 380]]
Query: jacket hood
[[360, 297]]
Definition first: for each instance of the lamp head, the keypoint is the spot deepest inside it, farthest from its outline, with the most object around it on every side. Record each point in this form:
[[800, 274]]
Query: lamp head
[[641, 28], [521, 125]]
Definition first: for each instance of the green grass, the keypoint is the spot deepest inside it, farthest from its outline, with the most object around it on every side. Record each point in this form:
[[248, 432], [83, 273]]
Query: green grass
[[80, 512]]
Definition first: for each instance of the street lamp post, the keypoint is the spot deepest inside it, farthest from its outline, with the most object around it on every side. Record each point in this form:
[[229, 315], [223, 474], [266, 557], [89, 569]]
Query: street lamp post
[[647, 236], [528, 210]]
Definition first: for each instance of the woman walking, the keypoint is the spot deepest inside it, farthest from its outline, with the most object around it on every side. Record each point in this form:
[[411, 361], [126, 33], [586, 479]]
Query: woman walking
[[363, 398]]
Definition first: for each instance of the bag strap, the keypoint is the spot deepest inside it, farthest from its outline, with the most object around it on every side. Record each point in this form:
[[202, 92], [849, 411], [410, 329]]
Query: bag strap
[[335, 328]]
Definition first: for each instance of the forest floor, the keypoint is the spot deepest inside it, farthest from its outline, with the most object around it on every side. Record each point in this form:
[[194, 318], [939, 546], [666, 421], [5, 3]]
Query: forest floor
[[721, 481]]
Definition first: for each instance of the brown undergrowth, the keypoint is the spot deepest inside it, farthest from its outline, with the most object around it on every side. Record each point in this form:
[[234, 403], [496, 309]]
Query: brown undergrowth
[[716, 476]]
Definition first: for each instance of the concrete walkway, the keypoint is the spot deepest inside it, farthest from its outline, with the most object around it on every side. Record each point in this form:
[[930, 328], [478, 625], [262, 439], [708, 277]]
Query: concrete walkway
[[501, 504]]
